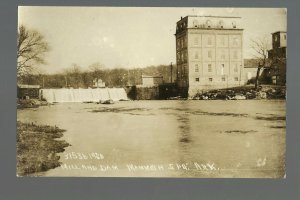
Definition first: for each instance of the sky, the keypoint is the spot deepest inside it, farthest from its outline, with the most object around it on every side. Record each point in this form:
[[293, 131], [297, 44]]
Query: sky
[[130, 37]]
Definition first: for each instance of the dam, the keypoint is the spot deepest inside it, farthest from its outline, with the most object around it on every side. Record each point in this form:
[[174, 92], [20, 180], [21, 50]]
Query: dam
[[82, 95]]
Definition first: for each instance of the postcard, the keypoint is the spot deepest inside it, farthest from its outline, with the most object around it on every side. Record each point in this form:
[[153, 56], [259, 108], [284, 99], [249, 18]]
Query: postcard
[[151, 92]]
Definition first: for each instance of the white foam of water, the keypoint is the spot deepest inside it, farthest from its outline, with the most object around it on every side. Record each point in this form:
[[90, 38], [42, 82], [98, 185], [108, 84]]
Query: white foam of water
[[83, 95]]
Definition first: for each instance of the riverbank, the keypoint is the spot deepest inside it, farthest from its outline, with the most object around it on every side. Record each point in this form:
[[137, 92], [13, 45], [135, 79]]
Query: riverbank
[[243, 93], [37, 148], [31, 103]]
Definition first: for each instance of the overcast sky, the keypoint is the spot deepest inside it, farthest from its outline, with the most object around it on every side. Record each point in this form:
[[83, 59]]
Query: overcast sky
[[129, 37]]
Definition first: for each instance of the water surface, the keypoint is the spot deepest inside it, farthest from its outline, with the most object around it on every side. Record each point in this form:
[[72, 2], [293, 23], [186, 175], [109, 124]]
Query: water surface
[[148, 138]]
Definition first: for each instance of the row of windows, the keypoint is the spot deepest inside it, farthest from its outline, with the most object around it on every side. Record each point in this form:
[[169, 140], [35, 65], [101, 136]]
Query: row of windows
[[211, 79], [222, 66], [210, 54], [181, 42], [182, 56], [209, 24], [222, 41]]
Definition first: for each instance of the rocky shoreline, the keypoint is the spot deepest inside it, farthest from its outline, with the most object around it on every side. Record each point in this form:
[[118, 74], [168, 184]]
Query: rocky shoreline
[[240, 93], [31, 103]]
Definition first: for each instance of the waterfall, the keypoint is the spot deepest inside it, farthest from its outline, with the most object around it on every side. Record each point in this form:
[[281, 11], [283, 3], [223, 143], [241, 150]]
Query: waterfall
[[83, 95]]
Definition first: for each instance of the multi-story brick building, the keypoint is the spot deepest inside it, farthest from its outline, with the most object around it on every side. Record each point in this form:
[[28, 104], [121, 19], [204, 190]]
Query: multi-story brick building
[[277, 55], [209, 53]]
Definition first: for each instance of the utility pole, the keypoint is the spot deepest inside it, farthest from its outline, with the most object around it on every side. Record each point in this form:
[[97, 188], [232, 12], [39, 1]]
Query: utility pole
[[171, 73], [66, 80]]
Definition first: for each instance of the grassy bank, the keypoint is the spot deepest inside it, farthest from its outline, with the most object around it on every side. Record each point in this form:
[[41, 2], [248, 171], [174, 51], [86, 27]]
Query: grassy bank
[[37, 148]]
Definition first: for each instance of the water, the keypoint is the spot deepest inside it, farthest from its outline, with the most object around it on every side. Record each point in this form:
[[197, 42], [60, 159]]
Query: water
[[83, 95], [225, 138]]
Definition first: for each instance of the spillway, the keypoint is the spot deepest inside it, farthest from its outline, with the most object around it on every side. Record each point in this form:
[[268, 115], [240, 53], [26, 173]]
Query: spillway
[[83, 95]]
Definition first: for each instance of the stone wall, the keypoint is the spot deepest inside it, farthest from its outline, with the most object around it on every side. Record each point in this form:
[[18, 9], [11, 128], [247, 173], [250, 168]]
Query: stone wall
[[147, 93]]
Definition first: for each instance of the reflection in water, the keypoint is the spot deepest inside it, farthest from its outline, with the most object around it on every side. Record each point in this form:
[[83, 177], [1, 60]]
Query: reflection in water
[[184, 128]]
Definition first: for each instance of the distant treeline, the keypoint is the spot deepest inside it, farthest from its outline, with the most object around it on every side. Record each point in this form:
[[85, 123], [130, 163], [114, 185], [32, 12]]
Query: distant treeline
[[75, 77]]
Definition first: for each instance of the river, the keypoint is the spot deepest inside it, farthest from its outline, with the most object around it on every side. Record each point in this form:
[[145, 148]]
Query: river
[[168, 138]]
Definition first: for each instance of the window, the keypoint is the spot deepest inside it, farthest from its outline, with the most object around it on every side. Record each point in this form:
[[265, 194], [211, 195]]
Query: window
[[208, 23], [209, 68], [196, 41], [209, 42], [181, 41], [196, 55], [197, 79], [196, 68], [235, 68], [209, 54], [236, 79], [221, 23], [222, 69], [195, 23], [235, 41], [223, 40], [285, 37], [234, 24], [235, 56], [223, 79], [223, 55], [210, 79]]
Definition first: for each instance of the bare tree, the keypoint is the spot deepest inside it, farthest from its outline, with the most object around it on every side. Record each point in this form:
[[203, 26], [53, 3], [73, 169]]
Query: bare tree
[[260, 47], [97, 69], [75, 76], [31, 49]]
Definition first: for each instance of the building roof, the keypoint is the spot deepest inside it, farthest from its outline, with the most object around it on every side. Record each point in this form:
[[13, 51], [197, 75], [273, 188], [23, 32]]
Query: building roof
[[279, 32], [253, 63], [215, 23]]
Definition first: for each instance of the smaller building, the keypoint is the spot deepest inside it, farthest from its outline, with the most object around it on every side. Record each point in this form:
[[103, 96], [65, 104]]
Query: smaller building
[[28, 91], [98, 83], [148, 81], [250, 70], [277, 55]]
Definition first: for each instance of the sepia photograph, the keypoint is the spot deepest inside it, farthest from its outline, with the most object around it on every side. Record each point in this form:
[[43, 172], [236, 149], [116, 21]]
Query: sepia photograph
[[156, 92]]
